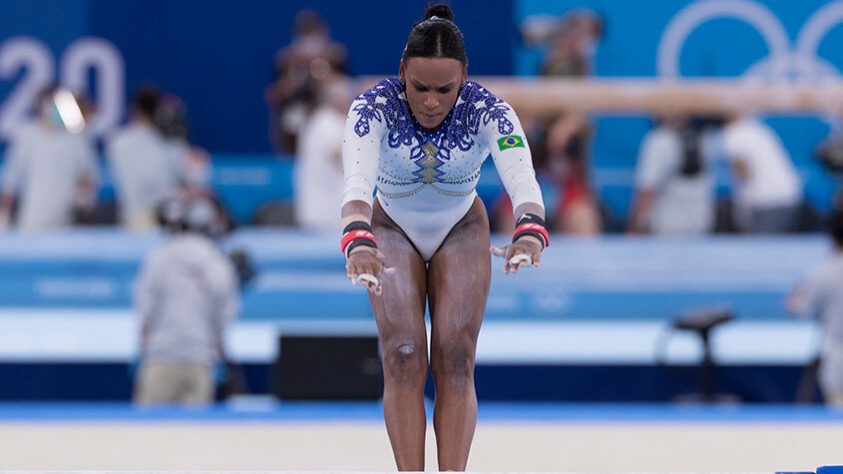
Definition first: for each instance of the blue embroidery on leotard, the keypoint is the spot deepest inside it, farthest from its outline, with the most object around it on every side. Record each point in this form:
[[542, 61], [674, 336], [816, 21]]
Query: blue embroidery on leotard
[[386, 103], [391, 110]]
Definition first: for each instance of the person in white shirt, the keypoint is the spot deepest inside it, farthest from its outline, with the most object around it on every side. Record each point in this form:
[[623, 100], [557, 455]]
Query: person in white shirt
[[821, 295], [674, 192], [186, 296], [146, 169], [318, 173], [768, 193], [50, 170], [171, 119]]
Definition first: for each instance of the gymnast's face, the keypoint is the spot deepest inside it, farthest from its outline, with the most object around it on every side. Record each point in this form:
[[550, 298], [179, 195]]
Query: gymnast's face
[[433, 85]]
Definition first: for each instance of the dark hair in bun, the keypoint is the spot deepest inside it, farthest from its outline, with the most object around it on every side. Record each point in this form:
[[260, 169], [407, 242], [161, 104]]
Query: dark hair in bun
[[442, 11], [436, 37]]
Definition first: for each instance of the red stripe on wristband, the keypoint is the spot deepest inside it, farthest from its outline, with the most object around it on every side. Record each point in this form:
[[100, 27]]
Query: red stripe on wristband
[[350, 237], [532, 227]]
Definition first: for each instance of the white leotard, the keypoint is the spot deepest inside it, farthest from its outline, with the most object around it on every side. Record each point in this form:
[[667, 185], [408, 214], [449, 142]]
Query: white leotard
[[426, 181]]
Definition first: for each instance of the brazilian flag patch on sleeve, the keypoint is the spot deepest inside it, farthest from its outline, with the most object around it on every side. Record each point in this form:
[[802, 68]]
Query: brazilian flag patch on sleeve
[[511, 141]]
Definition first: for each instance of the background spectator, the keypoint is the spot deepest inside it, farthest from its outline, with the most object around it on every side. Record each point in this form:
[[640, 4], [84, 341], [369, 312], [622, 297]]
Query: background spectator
[[830, 153], [674, 189], [572, 45], [187, 295], [171, 120], [567, 145], [145, 168], [821, 295], [562, 155], [49, 169], [301, 69], [318, 172], [768, 192]]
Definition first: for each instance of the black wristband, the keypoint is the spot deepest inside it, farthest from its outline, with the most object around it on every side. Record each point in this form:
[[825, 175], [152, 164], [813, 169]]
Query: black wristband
[[357, 225], [530, 218], [359, 242], [531, 224]]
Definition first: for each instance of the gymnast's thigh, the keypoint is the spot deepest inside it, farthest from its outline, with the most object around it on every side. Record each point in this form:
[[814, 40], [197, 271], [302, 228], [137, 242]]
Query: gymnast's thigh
[[459, 275], [399, 309]]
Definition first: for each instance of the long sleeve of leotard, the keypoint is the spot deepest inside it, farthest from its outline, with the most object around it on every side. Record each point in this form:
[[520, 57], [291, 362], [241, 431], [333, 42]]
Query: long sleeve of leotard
[[361, 149], [511, 154]]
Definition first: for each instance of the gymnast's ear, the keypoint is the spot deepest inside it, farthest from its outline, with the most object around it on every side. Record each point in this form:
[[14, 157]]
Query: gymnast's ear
[[401, 72]]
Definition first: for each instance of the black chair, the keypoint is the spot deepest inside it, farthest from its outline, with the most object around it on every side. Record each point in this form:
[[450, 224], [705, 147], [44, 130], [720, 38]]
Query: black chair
[[702, 322]]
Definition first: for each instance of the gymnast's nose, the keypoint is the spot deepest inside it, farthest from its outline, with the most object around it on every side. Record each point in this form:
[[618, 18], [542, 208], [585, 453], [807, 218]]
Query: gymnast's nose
[[431, 102]]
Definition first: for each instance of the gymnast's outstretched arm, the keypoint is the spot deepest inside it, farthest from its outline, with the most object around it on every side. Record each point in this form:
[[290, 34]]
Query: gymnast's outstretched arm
[[513, 160]]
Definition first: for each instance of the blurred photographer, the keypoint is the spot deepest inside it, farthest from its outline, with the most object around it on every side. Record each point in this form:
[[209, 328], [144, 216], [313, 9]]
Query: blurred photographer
[[301, 71], [674, 188], [821, 295], [187, 295]]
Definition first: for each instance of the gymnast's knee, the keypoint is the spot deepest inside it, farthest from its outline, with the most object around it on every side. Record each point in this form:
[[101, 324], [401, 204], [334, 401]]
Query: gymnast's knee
[[453, 365], [403, 361]]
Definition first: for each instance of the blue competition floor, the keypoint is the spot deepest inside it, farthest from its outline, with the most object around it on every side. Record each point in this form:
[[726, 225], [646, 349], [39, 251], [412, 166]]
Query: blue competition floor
[[372, 411]]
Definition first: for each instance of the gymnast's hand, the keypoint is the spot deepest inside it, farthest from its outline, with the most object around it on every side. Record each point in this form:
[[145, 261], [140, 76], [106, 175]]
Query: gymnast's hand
[[524, 251], [367, 266]]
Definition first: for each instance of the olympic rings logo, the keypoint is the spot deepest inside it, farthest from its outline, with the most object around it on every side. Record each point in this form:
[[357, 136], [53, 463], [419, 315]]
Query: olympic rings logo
[[782, 62]]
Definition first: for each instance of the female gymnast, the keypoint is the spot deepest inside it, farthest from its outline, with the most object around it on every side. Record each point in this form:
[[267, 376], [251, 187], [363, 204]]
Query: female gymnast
[[420, 140]]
